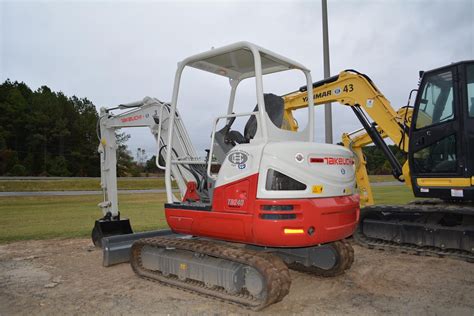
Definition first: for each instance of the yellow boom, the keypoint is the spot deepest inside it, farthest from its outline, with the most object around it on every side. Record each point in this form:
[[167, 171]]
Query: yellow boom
[[357, 91]]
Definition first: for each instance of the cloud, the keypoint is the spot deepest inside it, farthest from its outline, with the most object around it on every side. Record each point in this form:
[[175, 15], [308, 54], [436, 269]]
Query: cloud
[[119, 52]]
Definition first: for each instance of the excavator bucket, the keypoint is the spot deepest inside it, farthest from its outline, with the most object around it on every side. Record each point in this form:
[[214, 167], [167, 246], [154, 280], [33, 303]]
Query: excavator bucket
[[106, 227]]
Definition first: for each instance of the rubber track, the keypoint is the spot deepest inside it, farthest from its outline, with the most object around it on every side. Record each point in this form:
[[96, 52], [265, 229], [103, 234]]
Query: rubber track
[[273, 269], [421, 206], [345, 258]]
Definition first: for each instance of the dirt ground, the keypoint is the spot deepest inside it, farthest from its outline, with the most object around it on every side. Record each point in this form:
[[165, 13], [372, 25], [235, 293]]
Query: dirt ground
[[66, 277]]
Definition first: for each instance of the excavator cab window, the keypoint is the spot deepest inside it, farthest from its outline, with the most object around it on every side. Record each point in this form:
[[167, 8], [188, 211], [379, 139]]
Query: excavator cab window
[[435, 138], [436, 103], [437, 158]]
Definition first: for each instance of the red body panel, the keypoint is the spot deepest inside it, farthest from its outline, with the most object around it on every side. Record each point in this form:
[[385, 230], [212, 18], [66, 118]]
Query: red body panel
[[237, 215]]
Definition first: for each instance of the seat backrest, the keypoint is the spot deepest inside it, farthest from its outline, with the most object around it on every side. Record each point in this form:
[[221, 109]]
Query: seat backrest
[[275, 106]]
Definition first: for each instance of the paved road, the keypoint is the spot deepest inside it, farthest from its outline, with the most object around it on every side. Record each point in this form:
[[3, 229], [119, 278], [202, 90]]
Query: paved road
[[73, 193]]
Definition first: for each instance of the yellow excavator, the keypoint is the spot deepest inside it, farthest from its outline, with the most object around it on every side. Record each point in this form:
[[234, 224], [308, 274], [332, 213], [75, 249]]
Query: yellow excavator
[[437, 136]]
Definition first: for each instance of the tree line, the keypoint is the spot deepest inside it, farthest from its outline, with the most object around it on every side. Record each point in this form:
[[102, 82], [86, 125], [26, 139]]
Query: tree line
[[46, 133], [377, 163]]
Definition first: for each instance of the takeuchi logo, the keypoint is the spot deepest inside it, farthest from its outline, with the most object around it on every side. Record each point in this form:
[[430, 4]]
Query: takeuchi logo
[[338, 161], [131, 118]]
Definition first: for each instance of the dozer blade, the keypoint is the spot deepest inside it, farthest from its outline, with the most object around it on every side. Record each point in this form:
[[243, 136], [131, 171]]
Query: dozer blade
[[116, 249], [105, 228]]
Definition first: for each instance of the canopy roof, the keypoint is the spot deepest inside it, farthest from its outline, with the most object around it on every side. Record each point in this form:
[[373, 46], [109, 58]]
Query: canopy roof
[[236, 61]]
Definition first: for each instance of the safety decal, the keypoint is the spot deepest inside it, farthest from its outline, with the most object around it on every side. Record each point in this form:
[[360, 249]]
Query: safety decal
[[299, 157], [239, 159], [317, 189]]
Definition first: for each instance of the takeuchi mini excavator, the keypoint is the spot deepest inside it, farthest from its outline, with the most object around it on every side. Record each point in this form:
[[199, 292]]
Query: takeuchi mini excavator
[[261, 201], [437, 135]]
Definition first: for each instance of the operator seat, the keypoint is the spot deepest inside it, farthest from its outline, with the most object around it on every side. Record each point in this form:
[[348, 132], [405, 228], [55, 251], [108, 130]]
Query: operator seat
[[274, 105]]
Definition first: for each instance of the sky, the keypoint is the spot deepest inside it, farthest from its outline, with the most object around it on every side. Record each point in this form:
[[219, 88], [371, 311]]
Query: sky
[[115, 52]]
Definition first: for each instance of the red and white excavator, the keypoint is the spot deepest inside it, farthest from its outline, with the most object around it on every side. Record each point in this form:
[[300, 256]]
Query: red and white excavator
[[263, 200]]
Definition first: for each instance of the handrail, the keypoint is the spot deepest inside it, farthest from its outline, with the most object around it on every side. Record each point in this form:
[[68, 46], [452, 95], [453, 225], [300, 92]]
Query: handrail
[[157, 158], [188, 162]]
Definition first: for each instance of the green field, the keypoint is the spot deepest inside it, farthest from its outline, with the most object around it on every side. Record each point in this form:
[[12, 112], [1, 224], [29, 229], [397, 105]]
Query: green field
[[382, 178], [72, 216], [44, 217], [93, 184], [399, 194], [78, 184]]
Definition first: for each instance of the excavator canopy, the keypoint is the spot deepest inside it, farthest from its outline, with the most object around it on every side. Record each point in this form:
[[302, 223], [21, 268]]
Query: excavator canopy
[[237, 62]]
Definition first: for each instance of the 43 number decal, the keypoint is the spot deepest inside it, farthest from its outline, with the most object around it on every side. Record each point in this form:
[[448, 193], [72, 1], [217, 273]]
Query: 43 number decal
[[348, 88]]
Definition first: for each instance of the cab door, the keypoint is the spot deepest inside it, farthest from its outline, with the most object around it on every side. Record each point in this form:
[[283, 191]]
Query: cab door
[[467, 73], [436, 138]]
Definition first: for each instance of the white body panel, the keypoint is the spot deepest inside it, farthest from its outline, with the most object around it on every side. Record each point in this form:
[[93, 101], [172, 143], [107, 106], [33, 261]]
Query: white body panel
[[334, 179], [234, 171]]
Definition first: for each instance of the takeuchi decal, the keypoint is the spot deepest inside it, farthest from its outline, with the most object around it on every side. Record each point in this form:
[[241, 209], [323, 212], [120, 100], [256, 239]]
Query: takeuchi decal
[[338, 161], [131, 118], [333, 161]]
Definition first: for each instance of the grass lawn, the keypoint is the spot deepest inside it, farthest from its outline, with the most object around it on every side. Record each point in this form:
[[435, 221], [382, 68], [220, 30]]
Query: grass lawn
[[79, 184], [46, 217], [93, 184], [399, 194], [72, 216], [382, 178]]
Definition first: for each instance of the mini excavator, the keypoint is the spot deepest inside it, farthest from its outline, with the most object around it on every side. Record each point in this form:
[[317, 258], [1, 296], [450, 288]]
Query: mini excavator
[[437, 135], [262, 201]]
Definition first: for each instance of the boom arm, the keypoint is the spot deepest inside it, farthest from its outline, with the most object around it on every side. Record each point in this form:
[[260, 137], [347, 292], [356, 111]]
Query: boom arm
[[147, 113], [356, 90]]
